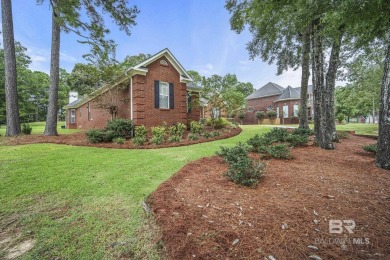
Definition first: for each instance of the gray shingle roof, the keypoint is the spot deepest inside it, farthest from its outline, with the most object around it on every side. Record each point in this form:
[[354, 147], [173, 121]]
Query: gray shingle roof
[[309, 89], [289, 93], [269, 89], [75, 103]]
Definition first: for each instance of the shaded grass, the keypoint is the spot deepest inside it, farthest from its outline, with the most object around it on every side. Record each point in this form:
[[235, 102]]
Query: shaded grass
[[359, 128], [39, 128]]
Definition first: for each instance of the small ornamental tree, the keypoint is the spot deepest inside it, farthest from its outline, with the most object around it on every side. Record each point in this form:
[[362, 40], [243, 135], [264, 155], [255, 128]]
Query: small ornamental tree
[[271, 115], [260, 116]]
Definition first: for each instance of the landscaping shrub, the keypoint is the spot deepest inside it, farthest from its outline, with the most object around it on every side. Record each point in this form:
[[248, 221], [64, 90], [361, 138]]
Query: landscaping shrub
[[214, 134], [26, 129], [95, 135], [260, 115], [242, 169], [297, 140], [206, 135], [196, 127], [221, 123], [158, 135], [340, 118], [272, 114], [279, 151], [302, 131], [232, 154], [108, 136], [174, 138], [277, 134], [177, 130], [120, 127], [140, 133], [193, 137], [258, 142], [119, 140], [372, 148]]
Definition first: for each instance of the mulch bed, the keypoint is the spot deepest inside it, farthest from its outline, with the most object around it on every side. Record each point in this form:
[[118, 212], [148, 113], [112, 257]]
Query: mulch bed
[[79, 139], [202, 215]]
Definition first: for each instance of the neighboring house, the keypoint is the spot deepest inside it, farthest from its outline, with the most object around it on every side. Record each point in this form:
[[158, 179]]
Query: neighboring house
[[153, 92], [285, 101]]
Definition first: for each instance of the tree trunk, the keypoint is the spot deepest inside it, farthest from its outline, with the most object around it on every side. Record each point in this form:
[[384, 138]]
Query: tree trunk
[[328, 104], [383, 154], [51, 119], [303, 120], [318, 81], [11, 97]]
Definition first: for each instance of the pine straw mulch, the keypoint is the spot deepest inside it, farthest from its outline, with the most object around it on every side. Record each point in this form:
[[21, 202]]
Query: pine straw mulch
[[79, 139], [202, 215]]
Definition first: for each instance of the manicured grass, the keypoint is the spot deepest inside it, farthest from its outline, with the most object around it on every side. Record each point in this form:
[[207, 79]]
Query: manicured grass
[[363, 129], [77, 201], [39, 128]]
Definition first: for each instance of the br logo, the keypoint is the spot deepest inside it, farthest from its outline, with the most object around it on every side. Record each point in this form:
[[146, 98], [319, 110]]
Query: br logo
[[336, 226]]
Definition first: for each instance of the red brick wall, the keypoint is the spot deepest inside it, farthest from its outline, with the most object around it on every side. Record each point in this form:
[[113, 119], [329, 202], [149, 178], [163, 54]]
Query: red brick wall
[[144, 112], [196, 111], [290, 104], [258, 104], [99, 116], [143, 96]]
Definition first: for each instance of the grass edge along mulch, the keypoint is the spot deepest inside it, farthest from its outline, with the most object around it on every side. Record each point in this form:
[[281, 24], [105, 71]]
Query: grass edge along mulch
[[203, 215]]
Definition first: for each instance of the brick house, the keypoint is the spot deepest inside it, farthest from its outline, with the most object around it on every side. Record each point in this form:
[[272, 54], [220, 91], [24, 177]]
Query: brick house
[[285, 101], [155, 91]]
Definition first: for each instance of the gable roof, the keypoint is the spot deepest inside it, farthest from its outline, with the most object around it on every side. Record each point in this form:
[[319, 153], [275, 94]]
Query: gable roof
[[139, 69], [309, 89], [269, 89], [184, 76], [289, 93]]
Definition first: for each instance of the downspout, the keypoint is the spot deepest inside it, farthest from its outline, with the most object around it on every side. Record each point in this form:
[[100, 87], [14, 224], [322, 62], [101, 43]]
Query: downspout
[[131, 98]]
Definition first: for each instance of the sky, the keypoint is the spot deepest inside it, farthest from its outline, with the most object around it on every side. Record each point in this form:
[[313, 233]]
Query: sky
[[197, 32]]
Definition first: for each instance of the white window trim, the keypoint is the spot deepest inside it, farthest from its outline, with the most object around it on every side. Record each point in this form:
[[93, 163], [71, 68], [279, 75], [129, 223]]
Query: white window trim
[[285, 115], [73, 116], [161, 83]]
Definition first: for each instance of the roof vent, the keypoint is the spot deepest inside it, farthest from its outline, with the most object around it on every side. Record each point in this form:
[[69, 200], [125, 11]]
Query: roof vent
[[163, 62]]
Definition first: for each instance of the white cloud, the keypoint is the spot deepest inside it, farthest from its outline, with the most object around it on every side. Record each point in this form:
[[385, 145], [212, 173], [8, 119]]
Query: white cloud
[[67, 58], [209, 66]]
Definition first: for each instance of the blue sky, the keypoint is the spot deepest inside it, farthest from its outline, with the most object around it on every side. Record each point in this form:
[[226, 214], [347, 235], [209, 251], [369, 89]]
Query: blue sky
[[196, 31]]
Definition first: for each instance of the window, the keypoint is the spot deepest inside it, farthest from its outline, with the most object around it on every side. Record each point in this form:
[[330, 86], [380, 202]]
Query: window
[[296, 110], [277, 112], [285, 111], [164, 95], [163, 62], [72, 116]]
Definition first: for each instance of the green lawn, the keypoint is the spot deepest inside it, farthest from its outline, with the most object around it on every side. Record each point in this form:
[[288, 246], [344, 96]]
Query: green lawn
[[363, 129], [77, 201], [39, 127]]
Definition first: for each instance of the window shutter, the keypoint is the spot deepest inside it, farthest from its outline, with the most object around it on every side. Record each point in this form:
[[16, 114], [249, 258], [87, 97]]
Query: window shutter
[[156, 94], [189, 103], [171, 96]]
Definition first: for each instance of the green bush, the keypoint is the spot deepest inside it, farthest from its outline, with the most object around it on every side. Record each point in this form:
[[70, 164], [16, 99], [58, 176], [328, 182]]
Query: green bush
[[120, 127], [221, 123], [196, 127], [108, 136], [241, 115], [279, 151], [302, 131], [174, 139], [271, 114], [257, 143], [140, 134], [214, 134], [119, 140], [372, 148], [158, 135], [340, 118], [260, 115], [26, 129], [206, 135], [177, 130], [193, 137], [242, 169], [277, 134], [232, 154], [297, 140], [95, 135]]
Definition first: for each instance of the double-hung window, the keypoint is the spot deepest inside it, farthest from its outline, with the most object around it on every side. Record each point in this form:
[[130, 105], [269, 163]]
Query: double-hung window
[[73, 116], [164, 95]]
